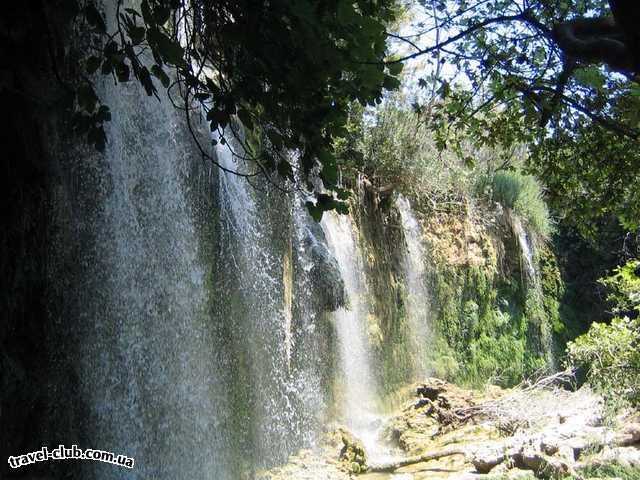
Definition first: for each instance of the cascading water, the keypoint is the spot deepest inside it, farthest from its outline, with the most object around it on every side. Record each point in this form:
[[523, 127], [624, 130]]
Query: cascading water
[[189, 326], [418, 311], [146, 343], [357, 384], [258, 319], [199, 306], [272, 316], [197, 323], [311, 348]]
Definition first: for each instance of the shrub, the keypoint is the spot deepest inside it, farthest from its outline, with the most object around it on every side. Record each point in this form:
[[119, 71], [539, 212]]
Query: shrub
[[611, 353], [522, 194], [613, 470], [612, 359]]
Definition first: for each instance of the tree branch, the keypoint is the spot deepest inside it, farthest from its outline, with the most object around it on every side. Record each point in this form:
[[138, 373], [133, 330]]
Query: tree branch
[[521, 17], [604, 122], [394, 465], [594, 40]]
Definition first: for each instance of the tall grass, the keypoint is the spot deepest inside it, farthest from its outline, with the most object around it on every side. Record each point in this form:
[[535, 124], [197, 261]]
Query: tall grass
[[522, 194]]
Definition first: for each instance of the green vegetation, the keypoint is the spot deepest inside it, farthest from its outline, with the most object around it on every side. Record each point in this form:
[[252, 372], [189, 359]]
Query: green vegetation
[[522, 194], [624, 289], [493, 330], [546, 75], [287, 71], [491, 322], [609, 352], [291, 73], [611, 471]]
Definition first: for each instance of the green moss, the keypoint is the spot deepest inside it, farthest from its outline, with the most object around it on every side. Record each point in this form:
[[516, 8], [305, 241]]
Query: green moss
[[493, 327], [379, 228], [613, 470]]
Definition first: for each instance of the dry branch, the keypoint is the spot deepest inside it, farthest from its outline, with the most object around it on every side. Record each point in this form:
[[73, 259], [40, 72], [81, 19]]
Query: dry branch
[[392, 466]]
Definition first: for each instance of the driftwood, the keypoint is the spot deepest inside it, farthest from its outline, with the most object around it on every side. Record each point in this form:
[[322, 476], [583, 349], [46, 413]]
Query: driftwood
[[629, 436], [403, 462], [541, 437]]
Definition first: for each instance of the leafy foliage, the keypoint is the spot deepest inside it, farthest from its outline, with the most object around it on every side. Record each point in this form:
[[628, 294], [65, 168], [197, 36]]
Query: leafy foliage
[[390, 146], [624, 288], [287, 70], [393, 146], [507, 76], [611, 352]]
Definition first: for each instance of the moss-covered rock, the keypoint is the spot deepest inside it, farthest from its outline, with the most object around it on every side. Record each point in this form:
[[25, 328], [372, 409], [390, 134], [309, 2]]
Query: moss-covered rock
[[352, 454]]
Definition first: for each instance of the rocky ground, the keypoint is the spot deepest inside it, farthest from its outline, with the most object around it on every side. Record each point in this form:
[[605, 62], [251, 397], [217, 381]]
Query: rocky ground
[[444, 432]]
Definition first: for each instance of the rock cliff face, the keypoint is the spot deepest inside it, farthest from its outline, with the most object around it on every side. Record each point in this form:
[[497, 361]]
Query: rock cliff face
[[488, 297], [29, 124]]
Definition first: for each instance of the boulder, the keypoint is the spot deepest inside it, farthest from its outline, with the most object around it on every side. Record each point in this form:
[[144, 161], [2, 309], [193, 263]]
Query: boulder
[[352, 455], [431, 389], [324, 272], [628, 457], [630, 435], [485, 459]]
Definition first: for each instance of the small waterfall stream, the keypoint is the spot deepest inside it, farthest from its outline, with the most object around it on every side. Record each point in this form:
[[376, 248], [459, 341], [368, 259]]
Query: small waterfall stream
[[260, 316], [358, 386], [417, 293]]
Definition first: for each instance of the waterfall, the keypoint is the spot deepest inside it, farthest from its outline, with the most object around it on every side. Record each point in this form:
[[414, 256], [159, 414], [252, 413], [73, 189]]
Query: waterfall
[[197, 305], [198, 342], [418, 312], [525, 247], [143, 339], [272, 315], [357, 386], [257, 316]]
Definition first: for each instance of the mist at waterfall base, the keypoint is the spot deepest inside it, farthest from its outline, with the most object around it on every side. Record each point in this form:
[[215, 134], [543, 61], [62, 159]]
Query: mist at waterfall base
[[194, 310]]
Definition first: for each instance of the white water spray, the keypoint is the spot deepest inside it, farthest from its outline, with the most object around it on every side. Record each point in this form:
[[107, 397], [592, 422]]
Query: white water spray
[[418, 311], [150, 379], [358, 387]]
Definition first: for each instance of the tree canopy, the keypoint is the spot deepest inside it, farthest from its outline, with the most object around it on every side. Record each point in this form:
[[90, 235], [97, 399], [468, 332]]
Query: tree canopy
[[286, 70], [557, 76]]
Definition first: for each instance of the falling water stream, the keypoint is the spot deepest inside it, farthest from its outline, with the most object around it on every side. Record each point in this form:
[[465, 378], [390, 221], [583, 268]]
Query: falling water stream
[[359, 388], [417, 293], [198, 302], [357, 382]]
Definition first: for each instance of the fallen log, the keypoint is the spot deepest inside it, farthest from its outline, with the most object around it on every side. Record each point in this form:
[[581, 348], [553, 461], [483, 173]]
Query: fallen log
[[629, 436], [403, 462]]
